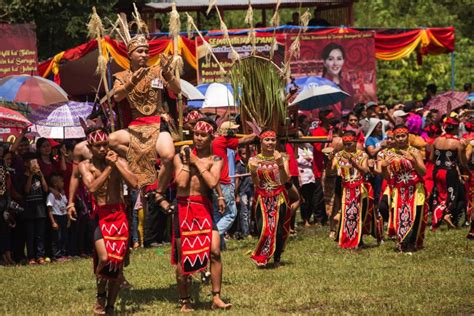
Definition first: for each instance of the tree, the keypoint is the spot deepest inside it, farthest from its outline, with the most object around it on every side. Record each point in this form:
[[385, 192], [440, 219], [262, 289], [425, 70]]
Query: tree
[[404, 79]]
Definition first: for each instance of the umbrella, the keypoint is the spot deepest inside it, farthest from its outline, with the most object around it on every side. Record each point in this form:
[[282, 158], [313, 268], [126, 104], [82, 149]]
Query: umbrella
[[440, 102], [470, 97], [31, 89], [217, 95], [317, 92], [190, 91], [61, 121], [11, 119]]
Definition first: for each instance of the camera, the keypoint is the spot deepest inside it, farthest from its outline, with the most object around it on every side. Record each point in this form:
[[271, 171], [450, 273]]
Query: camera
[[15, 208]]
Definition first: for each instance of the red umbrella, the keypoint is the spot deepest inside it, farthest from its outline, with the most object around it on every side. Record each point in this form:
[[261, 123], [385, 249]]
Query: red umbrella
[[441, 101], [11, 119]]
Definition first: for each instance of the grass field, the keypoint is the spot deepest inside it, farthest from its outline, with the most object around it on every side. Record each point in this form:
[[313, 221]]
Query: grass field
[[315, 277]]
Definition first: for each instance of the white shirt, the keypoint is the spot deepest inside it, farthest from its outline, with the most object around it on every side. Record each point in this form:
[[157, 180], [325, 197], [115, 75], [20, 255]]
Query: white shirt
[[305, 165], [58, 205]]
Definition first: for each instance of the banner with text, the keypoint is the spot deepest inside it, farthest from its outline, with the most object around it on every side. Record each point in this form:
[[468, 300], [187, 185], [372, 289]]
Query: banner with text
[[346, 59], [208, 69], [18, 53]]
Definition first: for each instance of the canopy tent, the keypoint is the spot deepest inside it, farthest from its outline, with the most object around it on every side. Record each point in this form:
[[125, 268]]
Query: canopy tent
[[81, 61]]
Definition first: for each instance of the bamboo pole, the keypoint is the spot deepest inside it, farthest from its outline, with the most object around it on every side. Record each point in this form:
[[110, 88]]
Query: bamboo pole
[[175, 25]]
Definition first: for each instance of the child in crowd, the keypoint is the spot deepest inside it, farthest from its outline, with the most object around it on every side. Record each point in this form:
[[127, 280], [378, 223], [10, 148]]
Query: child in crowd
[[58, 217], [35, 187], [243, 191]]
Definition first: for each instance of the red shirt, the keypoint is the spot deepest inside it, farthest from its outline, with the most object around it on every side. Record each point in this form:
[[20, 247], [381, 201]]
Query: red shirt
[[219, 148], [292, 163], [318, 156]]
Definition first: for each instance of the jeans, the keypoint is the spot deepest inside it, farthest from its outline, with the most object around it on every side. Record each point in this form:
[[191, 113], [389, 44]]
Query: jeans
[[134, 228], [244, 214], [35, 231], [59, 237], [224, 221]]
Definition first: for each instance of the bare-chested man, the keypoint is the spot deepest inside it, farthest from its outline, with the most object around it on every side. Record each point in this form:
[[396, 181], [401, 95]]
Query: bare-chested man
[[196, 237], [102, 176], [146, 136]]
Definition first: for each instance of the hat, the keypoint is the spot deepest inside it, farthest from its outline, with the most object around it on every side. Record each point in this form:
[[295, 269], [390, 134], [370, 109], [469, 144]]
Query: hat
[[137, 41], [370, 104], [229, 125], [399, 113], [373, 122]]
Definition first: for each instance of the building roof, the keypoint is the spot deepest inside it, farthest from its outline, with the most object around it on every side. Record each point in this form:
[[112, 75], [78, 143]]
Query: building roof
[[197, 5]]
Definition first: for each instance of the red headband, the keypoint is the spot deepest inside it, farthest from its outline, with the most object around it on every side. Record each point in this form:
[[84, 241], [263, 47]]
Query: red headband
[[389, 133], [451, 121], [400, 130], [203, 126], [349, 138], [97, 136], [192, 116], [267, 134]]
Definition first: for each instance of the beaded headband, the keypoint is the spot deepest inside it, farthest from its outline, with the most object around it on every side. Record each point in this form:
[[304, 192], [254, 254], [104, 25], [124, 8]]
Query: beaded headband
[[192, 116], [97, 136], [203, 126], [349, 139], [267, 134], [400, 130], [389, 133]]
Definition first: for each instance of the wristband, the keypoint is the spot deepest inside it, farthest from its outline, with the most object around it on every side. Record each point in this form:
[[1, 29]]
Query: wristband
[[221, 198]]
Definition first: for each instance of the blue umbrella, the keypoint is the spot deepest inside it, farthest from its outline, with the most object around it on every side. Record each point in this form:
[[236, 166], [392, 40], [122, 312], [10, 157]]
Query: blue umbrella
[[316, 92], [471, 97]]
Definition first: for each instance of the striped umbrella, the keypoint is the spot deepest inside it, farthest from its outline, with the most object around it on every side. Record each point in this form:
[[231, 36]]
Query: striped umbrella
[[31, 89], [454, 99], [12, 119], [61, 121]]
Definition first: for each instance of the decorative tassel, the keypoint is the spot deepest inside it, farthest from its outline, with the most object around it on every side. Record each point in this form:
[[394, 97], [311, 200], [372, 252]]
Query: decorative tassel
[[175, 23], [178, 63], [295, 48], [141, 25], [212, 3], [275, 20], [233, 53], [101, 65], [95, 27], [249, 16], [304, 20]]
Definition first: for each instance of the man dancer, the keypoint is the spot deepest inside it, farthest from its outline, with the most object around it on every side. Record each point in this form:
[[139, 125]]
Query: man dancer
[[102, 176], [195, 235], [147, 136]]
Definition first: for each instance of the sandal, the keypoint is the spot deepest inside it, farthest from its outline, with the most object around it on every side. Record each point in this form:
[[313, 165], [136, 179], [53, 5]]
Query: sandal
[[159, 198], [185, 303]]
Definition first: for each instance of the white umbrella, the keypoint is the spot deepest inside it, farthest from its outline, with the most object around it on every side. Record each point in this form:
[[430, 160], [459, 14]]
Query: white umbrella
[[218, 95], [190, 91]]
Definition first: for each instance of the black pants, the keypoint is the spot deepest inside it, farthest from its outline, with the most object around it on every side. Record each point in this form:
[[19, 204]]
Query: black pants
[[59, 237], [320, 215], [35, 230], [310, 195], [156, 223]]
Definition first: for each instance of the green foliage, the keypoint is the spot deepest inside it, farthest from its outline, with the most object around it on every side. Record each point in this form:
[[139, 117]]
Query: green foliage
[[404, 80], [315, 278], [60, 24]]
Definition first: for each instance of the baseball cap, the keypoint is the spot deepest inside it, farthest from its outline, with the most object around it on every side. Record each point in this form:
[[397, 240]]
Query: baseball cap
[[229, 125], [400, 113]]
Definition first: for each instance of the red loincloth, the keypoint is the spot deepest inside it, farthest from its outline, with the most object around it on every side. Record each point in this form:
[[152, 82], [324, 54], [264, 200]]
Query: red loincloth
[[195, 228]]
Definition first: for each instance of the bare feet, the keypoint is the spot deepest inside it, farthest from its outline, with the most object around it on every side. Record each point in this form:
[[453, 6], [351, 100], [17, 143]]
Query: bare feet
[[307, 224], [99, 307], [447, 218], [186, 306], [332, 234], [218, 303]]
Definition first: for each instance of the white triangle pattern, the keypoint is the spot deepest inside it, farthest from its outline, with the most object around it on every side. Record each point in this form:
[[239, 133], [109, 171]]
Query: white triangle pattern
[[201, 226], [204, 256], [114, 246], [202, 242], [114, 229]]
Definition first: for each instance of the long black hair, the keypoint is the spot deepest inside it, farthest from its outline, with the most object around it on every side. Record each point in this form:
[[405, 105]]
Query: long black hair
[[328, 49]]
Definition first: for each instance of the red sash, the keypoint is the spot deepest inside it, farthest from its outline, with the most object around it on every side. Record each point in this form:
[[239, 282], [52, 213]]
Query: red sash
[[145, 120], [195, 227], [350, 232]]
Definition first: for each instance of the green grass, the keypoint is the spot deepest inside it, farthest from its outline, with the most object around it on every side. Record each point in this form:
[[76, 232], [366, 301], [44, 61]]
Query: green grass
[[315, 277]]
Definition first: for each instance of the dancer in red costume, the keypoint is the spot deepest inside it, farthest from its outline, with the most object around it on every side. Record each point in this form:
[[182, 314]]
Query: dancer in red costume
[[102, 175], [195, 237], [357, 196], [404, 169], [270, 174]]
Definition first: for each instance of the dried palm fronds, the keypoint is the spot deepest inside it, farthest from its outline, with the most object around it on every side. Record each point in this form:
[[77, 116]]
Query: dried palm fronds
[[259, 89], [252, 35], [142, 28], [212, 3], [294, 51], [275, 22], [233, 53]]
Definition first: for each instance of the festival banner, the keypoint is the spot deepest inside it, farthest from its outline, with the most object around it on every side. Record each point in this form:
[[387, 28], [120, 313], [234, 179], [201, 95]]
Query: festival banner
[[208, 69], [18, 53], [348, 59]]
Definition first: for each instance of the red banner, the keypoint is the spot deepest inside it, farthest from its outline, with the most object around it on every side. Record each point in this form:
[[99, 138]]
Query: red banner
[[18, 53], [348, 59]]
